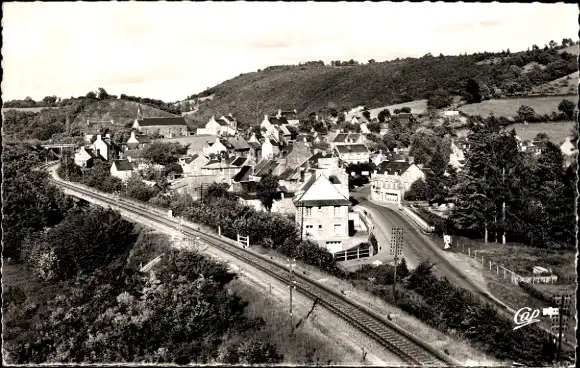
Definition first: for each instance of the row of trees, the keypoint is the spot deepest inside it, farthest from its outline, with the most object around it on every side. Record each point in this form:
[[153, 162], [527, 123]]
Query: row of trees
[[566, 111]]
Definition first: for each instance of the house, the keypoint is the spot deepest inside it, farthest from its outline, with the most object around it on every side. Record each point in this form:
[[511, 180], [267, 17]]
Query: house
[[262, 168], [290, 115], [165, 127], [105, 148], [240, 146], [270, 148], [384, 128], [192, 165], [392, 179], [322, 212], [451, 113], [224, 169], [218, 146], [389, 156], [85, 157], [255, 152], [253, 138], [403, 119], [347, 139], [93, 128], [352, 153], [224, 126], [196, 144], [136, 142], [457, 155], [569, 147], [364, 128], [122, 169]]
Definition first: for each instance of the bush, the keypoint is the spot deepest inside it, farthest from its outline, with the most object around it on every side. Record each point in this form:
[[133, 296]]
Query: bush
[[530, 289]]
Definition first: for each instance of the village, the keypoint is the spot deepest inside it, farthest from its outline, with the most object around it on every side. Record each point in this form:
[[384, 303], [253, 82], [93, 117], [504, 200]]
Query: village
[[311, 168]]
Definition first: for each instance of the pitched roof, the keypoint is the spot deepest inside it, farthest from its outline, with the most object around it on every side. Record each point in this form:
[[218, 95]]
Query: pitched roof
[[162, 121], [142, 138], [391, 167], [282, 120], [273, 120], [230, 118], [243, 174], [237, 161], [190, 159], [287, 174], [221, 122], [352, 148], [227, 144], [325, 195], [254, 145], [123, 165], [239, 143], [340, 137], [264, 167]]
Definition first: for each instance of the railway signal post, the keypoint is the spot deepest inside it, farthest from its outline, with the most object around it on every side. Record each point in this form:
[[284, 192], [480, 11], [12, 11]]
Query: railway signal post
[[291, 285], [396, 250]]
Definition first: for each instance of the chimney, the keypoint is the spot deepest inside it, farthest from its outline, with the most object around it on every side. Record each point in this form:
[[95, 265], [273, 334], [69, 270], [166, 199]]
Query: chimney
[[98, 137], [266, 116], [129, 158], [410, 159]]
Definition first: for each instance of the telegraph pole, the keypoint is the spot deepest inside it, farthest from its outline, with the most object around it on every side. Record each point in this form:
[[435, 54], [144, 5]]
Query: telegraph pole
[[560, 321], [302, 223], [291, 285], [396, 250], [503, 240]]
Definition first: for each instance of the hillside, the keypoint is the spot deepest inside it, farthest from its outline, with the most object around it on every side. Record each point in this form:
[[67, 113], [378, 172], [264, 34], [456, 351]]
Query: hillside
[[560, 86], [309, 88], [52, 123]]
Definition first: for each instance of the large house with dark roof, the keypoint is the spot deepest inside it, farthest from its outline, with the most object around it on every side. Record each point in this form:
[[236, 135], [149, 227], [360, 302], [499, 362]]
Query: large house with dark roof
[[136, 142], [85, 157], [291, 116], [165, 127], [192, 165], [122, 169], [322, 212], [392, 179], [347, 139]]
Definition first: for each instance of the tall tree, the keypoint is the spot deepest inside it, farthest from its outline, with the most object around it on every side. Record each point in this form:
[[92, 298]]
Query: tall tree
[[267, 190]]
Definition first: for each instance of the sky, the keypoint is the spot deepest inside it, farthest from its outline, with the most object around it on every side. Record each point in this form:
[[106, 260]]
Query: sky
[[172, 50]]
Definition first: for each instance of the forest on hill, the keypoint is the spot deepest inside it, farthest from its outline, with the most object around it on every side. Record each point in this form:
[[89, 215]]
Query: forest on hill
[[341, 86]]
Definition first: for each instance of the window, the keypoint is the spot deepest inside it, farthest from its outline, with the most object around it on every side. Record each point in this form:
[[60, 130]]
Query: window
[[308, 212], [336, 211], [309, 230], [337, 230], [319, 209]]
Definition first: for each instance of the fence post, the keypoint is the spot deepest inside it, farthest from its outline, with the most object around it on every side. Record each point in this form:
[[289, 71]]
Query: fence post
[[497, 273], [358, 253], [345, 256], [490, 265], [469, 251], [219, 231]]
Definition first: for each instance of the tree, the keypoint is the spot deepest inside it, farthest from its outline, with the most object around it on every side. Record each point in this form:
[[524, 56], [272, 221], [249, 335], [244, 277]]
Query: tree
[[418, 191], [367, 115], [137, 189], [91, 95], [102, 94], [439, 99], [50, 100], [163, 153], [553, 44], [406, 110], [567, 107], [472, 92], [383, 115], [526, 113], [267, 190]]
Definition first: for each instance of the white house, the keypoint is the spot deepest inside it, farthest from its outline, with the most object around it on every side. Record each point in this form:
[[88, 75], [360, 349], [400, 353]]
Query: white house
[[226, 125], [85, 157], [290, 115], [322, 212], [364, 128], [568, 148], [354, 120], [215, 148], [392, 179], [102, 147], [269, 148], [122, 169]]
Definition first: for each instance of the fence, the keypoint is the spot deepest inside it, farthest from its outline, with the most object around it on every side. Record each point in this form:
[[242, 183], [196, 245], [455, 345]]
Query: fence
[[418, 220], [347, 255], [244, 241], [505, 272]]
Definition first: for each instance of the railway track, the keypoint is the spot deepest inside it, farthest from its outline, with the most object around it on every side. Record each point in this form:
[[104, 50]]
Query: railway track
[[409, 348]]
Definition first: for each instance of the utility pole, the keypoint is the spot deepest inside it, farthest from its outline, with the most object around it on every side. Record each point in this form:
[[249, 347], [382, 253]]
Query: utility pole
[[291, 286], [396, 250], [503, 240], [302, 223], [560, 321]]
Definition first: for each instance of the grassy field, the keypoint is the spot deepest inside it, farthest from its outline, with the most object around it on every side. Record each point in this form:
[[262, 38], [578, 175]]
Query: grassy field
[[575, 49], [509, 107], [564, 85], [557, 131], [417, 107], [28, 109]]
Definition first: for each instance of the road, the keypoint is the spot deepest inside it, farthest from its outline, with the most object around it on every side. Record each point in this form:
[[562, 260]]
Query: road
[[419, 246]]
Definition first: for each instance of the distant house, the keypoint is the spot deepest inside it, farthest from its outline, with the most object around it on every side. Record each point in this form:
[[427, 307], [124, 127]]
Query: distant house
[[568, 148], [122, 169], [402, 119], [389, 156], [105, 148], [194, 143], [136, 142], [93, 128], [224, 126], [240, 146], [347, 139], [255, 152], [223, 170], [352, 153], [294, 154], [217, 147], [192, 165], [384, 128], [364, 128], [165, 127], [322, 212], [270, 148], [290, 115], [451, 113], [457, 155], [85, 157], [392, 179], [354, 120]]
